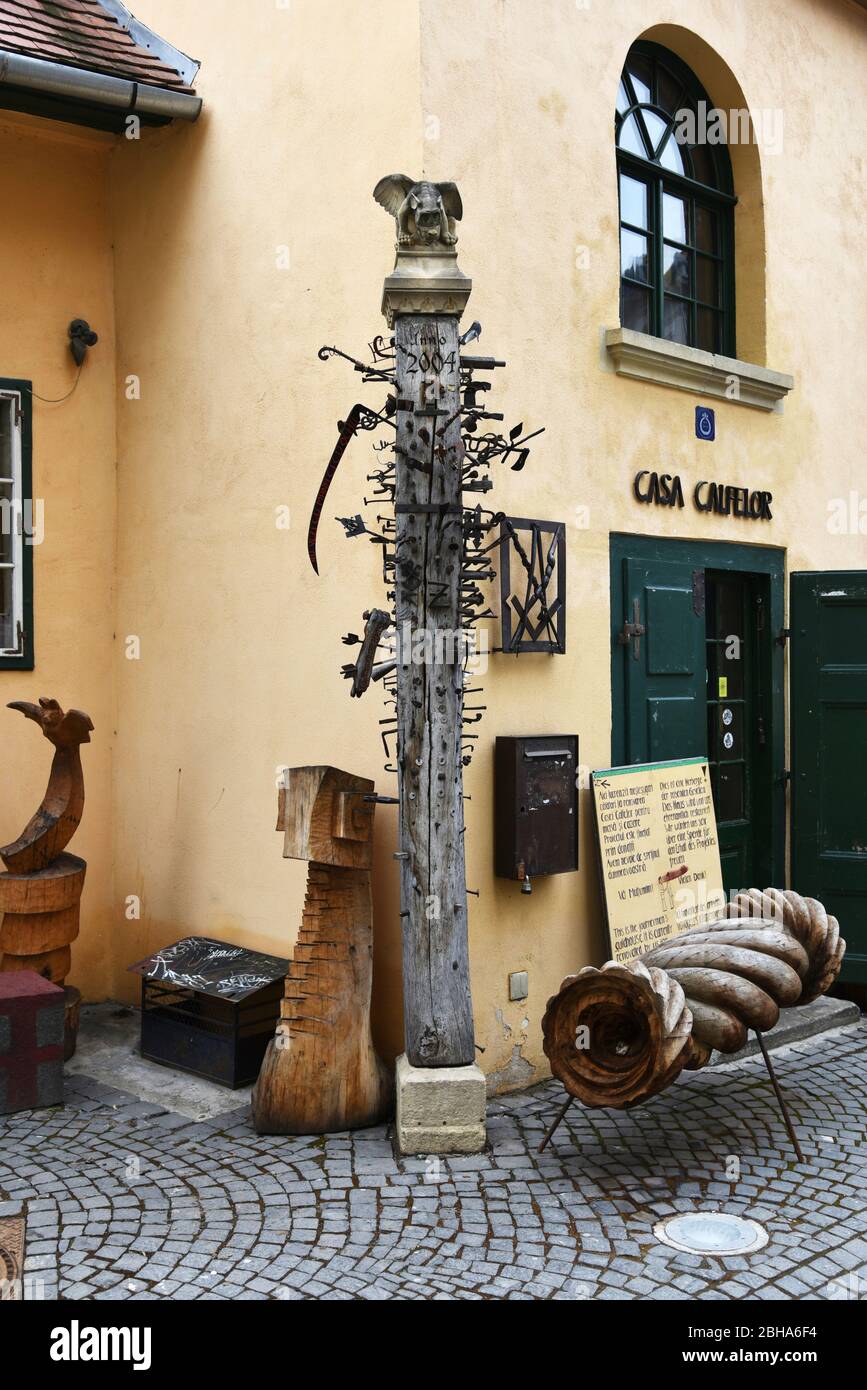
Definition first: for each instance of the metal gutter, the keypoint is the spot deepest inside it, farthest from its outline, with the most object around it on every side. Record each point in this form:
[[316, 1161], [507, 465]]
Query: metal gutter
[[39, 77]]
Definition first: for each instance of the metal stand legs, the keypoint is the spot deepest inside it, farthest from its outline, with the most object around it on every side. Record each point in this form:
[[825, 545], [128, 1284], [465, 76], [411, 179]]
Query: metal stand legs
[[780, 1101], [552, 1128]]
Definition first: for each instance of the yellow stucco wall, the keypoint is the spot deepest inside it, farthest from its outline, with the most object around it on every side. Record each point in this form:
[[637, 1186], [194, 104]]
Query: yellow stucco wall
[[305, 107], [240, 642], [56, 265]]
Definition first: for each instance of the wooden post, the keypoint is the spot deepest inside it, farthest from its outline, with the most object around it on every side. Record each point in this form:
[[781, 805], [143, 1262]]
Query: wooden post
[[429, 515], [423, 299]]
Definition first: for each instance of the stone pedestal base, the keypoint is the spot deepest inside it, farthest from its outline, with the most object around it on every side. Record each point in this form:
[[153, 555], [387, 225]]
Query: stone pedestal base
[[440, 1110]]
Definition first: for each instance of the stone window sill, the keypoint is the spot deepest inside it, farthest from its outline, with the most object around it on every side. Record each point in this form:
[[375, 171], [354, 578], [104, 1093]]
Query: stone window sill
[[644, 358]]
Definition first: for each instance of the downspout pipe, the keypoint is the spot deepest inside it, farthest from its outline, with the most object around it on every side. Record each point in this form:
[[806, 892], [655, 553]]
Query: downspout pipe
[[97, 89]]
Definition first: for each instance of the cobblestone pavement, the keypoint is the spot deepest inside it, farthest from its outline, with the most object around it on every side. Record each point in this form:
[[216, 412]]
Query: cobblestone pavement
[[124, 1200]]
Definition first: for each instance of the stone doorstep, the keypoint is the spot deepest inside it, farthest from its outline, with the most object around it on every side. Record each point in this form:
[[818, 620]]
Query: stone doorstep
[[824, 1015]]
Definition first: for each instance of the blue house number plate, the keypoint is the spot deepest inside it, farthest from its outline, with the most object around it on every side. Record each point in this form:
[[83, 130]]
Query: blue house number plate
[[705, 422]]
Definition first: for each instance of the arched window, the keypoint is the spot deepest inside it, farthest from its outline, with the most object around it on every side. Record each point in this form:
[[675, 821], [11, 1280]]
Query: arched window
[[676, 205]]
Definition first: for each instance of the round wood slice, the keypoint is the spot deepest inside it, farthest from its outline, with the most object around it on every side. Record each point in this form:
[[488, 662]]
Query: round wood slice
[[31, 933], [48, 890]]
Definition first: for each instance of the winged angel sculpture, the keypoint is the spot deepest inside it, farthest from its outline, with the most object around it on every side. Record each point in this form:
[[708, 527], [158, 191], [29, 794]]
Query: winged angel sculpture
[[425, 213]]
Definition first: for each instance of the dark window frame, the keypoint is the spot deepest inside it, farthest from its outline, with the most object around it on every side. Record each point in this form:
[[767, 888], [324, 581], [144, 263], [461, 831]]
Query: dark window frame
[[24, 390], [718, 198]]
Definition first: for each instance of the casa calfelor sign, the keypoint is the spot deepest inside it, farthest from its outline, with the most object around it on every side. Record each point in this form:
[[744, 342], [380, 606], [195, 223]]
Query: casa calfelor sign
[[658, 852], [723, 499]]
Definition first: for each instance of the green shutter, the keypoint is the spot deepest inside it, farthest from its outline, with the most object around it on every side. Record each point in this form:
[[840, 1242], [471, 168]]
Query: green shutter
[[829, 751]]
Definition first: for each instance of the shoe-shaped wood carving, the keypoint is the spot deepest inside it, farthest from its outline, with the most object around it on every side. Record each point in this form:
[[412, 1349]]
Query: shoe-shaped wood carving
[[49, 831], [321, 1072]]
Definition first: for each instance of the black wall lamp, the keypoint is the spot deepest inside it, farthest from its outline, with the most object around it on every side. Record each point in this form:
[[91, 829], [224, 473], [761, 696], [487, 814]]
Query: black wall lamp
[[81, 337]]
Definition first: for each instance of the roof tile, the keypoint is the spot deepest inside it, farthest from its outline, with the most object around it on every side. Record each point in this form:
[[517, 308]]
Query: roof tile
[[81, 34]]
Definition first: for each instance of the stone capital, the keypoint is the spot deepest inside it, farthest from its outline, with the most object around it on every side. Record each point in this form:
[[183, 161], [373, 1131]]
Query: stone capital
[[425, 280]]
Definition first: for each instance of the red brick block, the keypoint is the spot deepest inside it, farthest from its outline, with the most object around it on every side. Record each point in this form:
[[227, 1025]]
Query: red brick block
[[31, 1041]]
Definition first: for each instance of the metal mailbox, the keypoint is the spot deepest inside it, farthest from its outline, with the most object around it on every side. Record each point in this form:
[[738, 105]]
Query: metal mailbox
[[535, 807]]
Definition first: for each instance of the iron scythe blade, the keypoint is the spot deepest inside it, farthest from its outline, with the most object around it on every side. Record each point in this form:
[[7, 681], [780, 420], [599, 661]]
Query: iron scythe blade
[[348, 428]]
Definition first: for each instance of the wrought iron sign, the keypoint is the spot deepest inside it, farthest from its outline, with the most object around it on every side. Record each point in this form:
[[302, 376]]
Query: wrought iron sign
[[533, 592]]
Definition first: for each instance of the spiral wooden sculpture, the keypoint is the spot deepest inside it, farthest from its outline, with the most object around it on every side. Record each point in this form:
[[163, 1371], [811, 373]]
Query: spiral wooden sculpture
[[619, 1035], [40, 893]]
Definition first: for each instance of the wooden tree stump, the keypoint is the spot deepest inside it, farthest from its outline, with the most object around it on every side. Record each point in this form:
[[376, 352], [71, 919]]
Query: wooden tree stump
[[321, 1072]]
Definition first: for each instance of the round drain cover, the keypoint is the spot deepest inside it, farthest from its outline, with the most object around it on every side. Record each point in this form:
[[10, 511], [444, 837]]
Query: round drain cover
[[711, 1233]]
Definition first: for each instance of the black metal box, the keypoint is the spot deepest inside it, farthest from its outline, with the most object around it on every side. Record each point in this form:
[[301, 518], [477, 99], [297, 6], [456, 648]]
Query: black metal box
[[210, 1008], [535, 806]]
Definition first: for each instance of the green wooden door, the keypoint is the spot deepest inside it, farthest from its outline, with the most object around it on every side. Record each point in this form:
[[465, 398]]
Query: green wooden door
[[664, 666], [705, 679], [828, 617]]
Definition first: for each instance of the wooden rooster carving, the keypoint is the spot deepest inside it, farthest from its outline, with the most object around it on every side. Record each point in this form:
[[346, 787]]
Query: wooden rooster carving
[[40, 894], [49, 831]]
